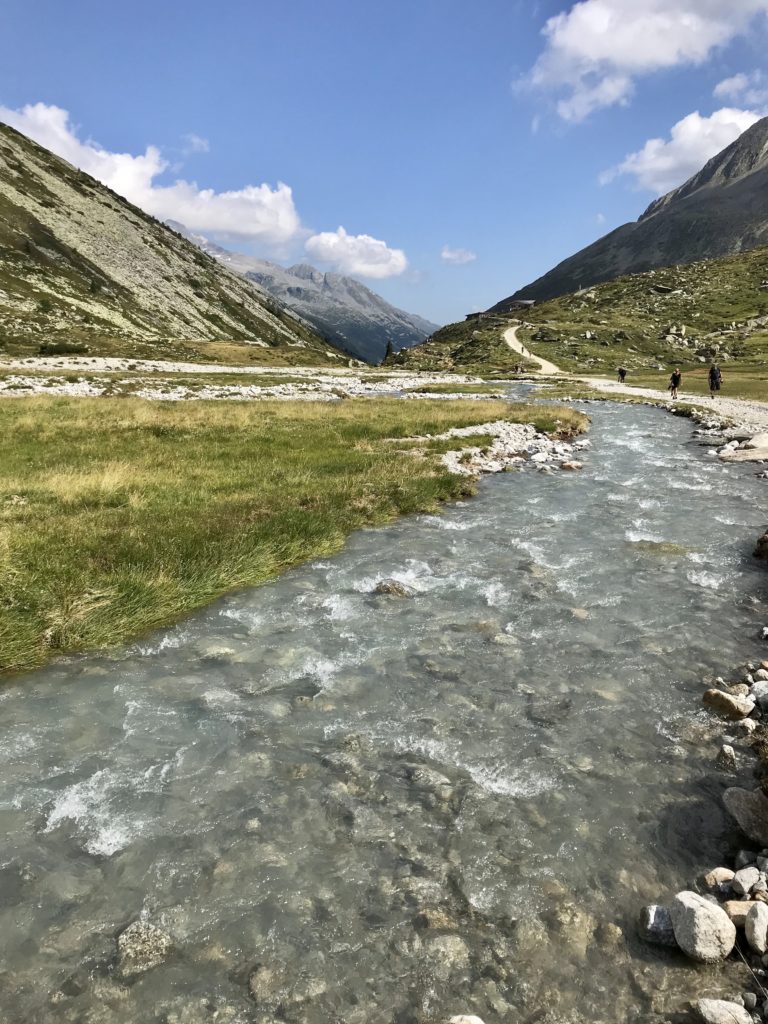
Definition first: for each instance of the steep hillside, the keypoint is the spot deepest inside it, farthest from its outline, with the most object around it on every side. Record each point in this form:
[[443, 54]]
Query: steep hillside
[[687, 315], [81, 268], [351, 316], [721, 210]]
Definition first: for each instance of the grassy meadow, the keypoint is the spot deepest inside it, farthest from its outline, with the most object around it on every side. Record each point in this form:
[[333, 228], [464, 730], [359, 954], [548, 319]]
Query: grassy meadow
[[119, 515]]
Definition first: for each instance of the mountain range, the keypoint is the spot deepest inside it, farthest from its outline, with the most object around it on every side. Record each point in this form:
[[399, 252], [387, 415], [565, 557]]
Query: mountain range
[[81, 268], [352, 317], [721, 210]]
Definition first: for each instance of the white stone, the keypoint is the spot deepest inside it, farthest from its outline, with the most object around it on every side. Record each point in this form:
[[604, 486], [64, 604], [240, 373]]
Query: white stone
[[466, 1019], [719, 1011], [756, 927], [744, 879], [703, 930]]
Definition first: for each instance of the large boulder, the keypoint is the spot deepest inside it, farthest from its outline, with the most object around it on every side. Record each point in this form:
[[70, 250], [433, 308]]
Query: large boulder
[[728, 705], [758, 441], [719, 1011], [756, 927], [702, 929], [750, 809]]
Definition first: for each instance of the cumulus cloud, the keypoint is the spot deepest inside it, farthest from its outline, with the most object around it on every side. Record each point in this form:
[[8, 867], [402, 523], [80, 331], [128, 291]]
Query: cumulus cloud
[[258, 213], [359, 255], [457, 257], [749, 88], [595, 51], [663, 164]]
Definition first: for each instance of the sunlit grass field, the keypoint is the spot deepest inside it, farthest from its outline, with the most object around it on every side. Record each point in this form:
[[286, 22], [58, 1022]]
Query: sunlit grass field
[[119, 515]]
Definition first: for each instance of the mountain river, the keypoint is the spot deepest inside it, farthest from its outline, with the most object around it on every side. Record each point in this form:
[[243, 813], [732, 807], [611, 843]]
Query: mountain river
[[382, 810]]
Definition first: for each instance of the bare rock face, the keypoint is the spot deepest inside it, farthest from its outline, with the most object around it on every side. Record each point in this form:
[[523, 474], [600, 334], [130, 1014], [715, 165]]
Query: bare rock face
[[142, 946], [750, 809], [719, 1011], [702, 929]]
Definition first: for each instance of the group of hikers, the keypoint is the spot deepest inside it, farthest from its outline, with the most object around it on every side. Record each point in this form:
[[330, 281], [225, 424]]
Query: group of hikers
[[715, 379]]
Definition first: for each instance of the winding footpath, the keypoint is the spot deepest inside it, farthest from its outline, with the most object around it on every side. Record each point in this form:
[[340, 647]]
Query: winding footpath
[[747, 414]]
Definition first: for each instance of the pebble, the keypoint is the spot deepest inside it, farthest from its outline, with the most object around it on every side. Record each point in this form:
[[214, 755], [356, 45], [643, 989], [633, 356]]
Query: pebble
[[744, 879], [756, 927], [726, 758]]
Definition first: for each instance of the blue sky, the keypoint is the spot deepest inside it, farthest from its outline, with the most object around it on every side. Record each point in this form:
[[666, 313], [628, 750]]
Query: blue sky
[[464, 149]]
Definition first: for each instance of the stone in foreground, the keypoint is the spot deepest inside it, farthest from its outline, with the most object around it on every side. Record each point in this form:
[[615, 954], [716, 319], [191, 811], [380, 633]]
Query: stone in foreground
[[702, 929], [737, 911], [464, 1019], [744, 879], [656, 925], [750, 809], [141, 947], [728, 705], [756, 927], [719, 1011]]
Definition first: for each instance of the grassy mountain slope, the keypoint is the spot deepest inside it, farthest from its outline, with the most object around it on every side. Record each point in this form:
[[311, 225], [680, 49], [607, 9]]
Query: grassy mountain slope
[[684, 315], [82, 268]]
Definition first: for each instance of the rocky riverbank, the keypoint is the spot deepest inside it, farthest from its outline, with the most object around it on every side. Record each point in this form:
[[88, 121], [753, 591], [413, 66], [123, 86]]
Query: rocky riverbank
[[725, 913]]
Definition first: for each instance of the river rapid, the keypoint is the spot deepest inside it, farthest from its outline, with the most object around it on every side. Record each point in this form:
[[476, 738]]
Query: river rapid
[[394, 810]]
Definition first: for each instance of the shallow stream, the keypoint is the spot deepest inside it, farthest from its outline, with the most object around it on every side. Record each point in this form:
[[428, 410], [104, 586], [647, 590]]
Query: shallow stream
[[400, 809]]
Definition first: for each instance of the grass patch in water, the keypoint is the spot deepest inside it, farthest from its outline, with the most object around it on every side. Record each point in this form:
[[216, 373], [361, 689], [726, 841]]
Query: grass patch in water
[[119, 515]]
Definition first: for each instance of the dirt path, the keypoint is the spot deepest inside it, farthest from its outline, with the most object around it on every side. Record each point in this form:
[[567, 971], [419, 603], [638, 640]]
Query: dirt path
[[745, 414], [510, 337]]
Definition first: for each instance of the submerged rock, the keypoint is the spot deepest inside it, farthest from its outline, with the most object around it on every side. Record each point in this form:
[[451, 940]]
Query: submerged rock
[[750, 809], [142, 946], [726, 758], [702, 929], [719, 1011], [392, 588]]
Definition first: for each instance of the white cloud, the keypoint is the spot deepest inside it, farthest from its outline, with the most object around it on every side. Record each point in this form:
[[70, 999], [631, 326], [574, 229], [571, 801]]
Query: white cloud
[[258, 213], [663, 164], [600, 218], [751, 89], [457, 257], [356, 254], [196, 144], [597, 49]]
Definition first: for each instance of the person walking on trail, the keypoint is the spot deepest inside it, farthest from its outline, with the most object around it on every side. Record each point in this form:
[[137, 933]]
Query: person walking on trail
[[675, 381], [622, 374], [715, 379]]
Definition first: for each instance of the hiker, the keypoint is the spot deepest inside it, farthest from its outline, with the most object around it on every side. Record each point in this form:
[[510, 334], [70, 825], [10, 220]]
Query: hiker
[[622, 374], [675, 381], [715, 379]]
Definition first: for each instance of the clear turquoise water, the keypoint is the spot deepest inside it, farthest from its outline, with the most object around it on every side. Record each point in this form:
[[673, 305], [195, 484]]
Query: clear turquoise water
[[292, 777]]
